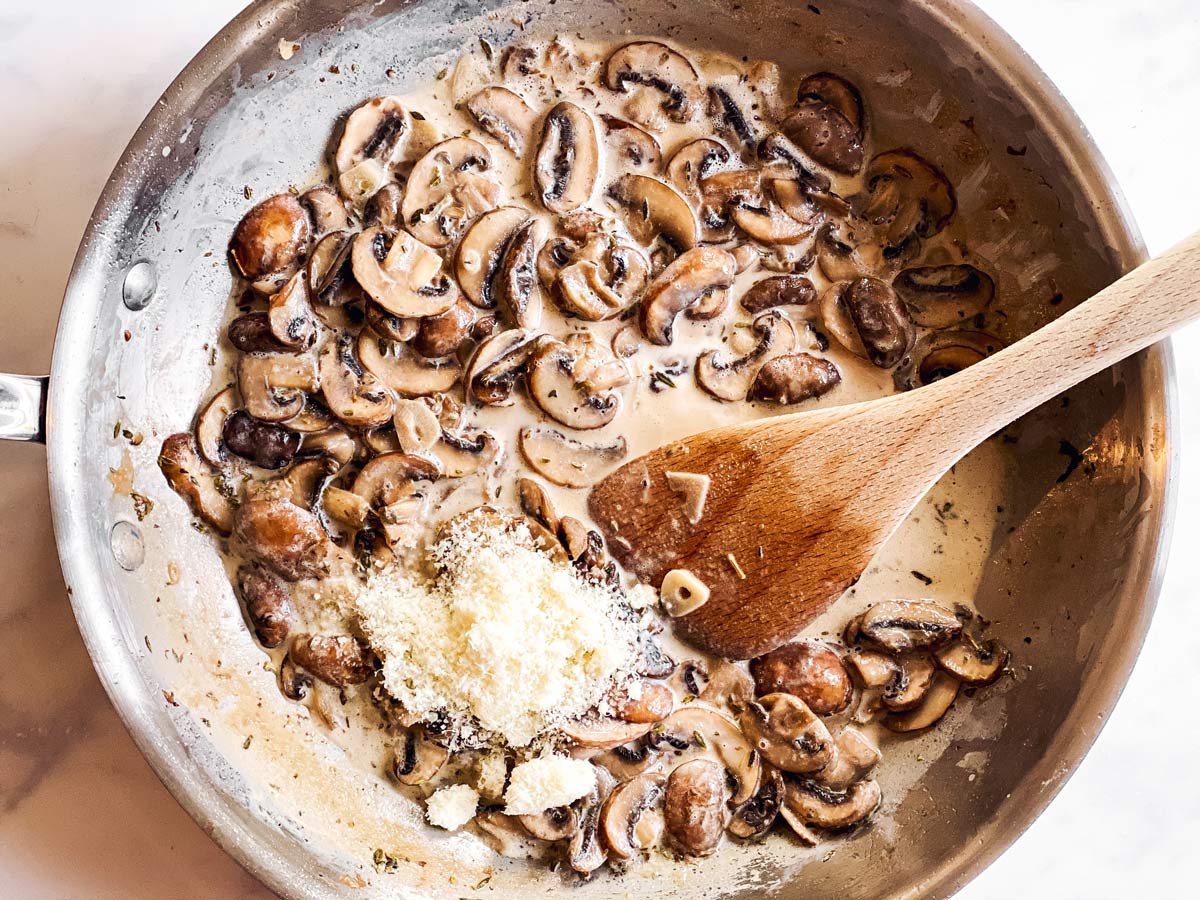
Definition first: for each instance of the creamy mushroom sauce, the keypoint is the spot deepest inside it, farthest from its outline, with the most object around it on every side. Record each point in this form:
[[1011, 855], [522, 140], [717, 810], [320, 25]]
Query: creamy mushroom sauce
[[796, 749]]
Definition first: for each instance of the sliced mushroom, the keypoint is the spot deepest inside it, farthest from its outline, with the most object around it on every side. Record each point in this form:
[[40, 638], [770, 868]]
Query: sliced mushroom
[[627, 761], [827, 123], [354, 394], [815, 804], [585, 854], [682, 284], [942, 354], [293, 683], [584, 546], [251, 333], [604, 733], [691, 165], [653, 702], [787, 734], [333, 443], [566, 461], [730, 378], [944, 296], [767, 223], [515, 287], [755, 817], [416, 757], [838, 259], [575, 381], [327, 268], [209, 496], [417, 427], [383, 208], [879, 320], [508, 837], [694, 806], [378, 130], [264, 444], [492, 372], [287, 539], [568, 158], [442, 335], [937, 702], [387, 477], [972, 662], [291, 315], [407, 373], [536, 503], [653, 208], [902, 626], [655, 65], [728, 687], [810, 670], [505, 116], [272, 385], [210, 426], [695, 726], [733, 122], [338, 659], [326, 211], [401, 274], [910, 683], [909, 198], [631, 818], [602, 279], [481, 251], [345, 507], [633, 148], [874, 669], [795, 378], [447, 189], [556, 824], [270, 238], [779, 290], [856, 753], [461, 455]]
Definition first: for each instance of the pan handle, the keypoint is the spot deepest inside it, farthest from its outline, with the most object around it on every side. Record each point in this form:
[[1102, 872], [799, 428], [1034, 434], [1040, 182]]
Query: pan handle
[[23, 408]]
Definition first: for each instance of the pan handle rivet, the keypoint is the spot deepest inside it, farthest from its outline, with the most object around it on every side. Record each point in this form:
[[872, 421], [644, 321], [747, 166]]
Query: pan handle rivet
[[127, 547], [141, 281]]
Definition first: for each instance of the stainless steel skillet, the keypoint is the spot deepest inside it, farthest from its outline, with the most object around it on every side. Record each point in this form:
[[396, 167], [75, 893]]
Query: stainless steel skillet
[[1078, 576]]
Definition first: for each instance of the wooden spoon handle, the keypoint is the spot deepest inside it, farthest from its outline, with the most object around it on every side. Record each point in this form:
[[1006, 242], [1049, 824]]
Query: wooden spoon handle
[[1129, 315]]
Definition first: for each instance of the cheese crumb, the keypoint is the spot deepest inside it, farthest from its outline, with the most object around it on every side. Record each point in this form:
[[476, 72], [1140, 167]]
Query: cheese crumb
[[452, 807], [503, 638], [546, 782]]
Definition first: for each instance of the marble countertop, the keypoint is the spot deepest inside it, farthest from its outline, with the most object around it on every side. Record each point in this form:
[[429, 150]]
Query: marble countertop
[[82, 815]]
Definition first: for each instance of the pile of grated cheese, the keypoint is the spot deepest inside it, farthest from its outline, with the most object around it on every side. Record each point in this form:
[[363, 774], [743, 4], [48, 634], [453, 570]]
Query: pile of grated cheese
[[501, 635]]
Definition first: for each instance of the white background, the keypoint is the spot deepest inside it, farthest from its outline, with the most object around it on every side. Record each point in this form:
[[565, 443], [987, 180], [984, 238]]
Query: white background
[[82, 816]]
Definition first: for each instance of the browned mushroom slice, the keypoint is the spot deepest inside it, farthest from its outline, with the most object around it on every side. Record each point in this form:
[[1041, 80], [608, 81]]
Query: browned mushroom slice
[[536, 503], [879, 320], [481, 251], [383, 208], [416, 425], [943, 296], [755, 817], [682, 284], [442, 335], [972, 662], [810, 670], [566, 461], [633, 148], [603, 734], [505, 116], [910, 683], [585, 853], [251, 333], [814, 804], [191, 480], [272, 385], [447, 189], [631, 818], [461, 455], [656, 65], [787, 734], [312, 418], [653, 208], [937, 702], [327, 267], [694, 807], [733, 122], [795, 378], [603, 279], [401, 274], [390, 326], [729, 378], [827, 123], [942, 354], [416, 757], [407, 373], [650, 702], [767, 223], [268, 606], [873, 669], [909, 198], [270, 238], [285, 538], [353, 393], [696, 727], [210, 425], [779, 290], [291, 315], [568, 158], [575, 381], [332, 442], [326, 211], [386, 477], [338, 659], [345, 507], [556, 824], [264, 444], [856, 754], [492, 372], [515, 288], [837, 259], [378, 130], [689, 167], [901, 626]]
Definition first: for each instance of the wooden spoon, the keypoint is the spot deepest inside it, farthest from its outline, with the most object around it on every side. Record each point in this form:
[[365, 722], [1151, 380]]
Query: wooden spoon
[[798, 504]]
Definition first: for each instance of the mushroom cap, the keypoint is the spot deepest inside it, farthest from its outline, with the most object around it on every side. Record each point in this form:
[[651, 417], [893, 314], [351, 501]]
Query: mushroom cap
[[417, 757], [972, 662], [272, 385], [515, 287], [338, 659], [795, 378], [491, 374], [326, 211], [401, 274], [810, 670], [268, 606], [568, 158], [938, 699], [654, 64], [694, 806], [787, 733], [880, 319], [633, 148], [944, 296], [653, 208], [504, 115], [755, 817], [902, 626], [481, 251], [814, 804], [603, 278], [909, 196], [287, 539], [290, 315], [827, 123], [697, 726], [353, 393], [264, 444], [683, 284], [191, 480], [624, 812], [210, 426], [466, 454], [271, 237], [379, 130], [442, 335], [910, 682], [779, 290]]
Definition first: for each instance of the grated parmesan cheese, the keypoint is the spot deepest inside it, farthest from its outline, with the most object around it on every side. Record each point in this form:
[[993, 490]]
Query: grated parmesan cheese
[[503, 638], [547, 782], [452, 807]]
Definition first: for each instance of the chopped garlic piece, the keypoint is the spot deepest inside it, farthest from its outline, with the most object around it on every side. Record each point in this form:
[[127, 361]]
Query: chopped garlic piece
[[452, 807], [546, 782], [693, 488], [683, 593]]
